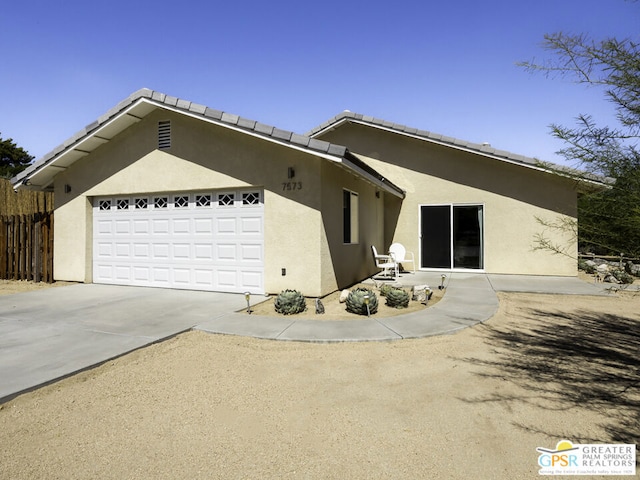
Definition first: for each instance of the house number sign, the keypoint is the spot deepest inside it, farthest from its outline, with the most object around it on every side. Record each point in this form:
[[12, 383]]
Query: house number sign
[[287, 186]]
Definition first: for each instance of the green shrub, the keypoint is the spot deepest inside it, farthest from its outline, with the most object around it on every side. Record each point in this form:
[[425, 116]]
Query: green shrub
[[355, 301], [622, 276], [290, 302], [385, 288], [585, 267], [397, 298]]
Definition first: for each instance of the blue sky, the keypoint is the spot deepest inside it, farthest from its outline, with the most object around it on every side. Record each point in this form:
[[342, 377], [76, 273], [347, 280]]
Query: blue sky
[[448, 67]]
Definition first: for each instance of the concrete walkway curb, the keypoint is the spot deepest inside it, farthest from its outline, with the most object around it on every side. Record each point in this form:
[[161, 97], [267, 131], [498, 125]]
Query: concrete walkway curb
[[470, 299]]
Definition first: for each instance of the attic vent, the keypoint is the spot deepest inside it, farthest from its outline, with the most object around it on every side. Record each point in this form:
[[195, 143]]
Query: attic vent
[[164, 134]]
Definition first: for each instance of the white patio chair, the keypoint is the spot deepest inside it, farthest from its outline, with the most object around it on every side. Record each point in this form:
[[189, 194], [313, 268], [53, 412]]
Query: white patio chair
[[386, 263], [400, 255]]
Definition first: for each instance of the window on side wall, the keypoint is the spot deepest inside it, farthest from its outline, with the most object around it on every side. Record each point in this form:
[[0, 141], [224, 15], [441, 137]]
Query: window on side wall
[[350, 216]]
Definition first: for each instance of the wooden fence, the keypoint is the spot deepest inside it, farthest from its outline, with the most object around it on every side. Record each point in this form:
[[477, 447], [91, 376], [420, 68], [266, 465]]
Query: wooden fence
[[24, 202], [26, 247]]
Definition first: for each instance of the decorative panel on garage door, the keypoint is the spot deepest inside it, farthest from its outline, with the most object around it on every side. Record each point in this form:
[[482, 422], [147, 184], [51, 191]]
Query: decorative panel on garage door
[[200, 241]]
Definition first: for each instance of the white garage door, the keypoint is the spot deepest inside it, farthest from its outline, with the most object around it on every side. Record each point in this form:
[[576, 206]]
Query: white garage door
[[198, 241]]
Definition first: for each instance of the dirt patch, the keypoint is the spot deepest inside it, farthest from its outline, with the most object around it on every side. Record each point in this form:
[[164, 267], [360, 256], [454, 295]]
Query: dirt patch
[[334, 310], [9, 287]]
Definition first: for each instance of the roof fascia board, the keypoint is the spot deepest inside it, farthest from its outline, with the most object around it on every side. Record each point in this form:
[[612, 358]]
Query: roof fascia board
[[333, 126], [372, 179], [74, 146]]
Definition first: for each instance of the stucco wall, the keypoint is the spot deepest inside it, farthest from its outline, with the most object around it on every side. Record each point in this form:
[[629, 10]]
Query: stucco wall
[[349, 263], [202, 156], [512, 196]]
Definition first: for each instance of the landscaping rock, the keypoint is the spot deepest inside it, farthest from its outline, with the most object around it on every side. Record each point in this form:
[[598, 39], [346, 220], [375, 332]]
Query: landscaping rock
[[343, 296], [610, 271], [633, 269], [419, 293]]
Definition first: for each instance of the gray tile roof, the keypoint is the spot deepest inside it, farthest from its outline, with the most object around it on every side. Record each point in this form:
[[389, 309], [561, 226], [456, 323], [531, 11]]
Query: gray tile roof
[[194, 109], [230, 119], [128, 107], [483, 149], [427, 135]]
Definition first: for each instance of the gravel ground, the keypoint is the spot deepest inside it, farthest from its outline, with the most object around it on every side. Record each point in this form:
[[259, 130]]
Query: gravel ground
[[9, 287], [474, 405]]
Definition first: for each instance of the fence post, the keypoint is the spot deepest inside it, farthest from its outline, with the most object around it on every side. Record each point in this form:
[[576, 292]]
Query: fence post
[[29, 246], [37, 234], [51, 246], [48, 249], [23, 241], [45, 250], [3, 247], [15, 237]]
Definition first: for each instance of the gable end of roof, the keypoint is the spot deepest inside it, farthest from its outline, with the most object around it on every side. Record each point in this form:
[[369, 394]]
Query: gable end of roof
[[127, 107]]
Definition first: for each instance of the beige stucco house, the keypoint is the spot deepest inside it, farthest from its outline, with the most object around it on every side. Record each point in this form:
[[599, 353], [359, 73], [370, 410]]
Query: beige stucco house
[[167, 193]]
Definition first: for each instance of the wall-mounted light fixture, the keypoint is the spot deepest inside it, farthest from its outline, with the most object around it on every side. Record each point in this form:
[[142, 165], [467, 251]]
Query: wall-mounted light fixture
[[291, 172], [67, 188], [377, 193]]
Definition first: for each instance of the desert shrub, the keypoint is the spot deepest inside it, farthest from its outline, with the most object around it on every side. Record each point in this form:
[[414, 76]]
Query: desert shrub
[[355, 301], [622, 276], [397, 298], [385, 288], [290, 302], [586, 267]]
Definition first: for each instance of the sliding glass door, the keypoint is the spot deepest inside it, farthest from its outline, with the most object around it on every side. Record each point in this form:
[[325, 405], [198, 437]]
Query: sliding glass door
[[451, 236]]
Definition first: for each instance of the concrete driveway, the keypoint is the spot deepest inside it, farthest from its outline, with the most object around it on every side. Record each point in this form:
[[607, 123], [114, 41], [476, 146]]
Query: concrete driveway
[[49, 334]]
